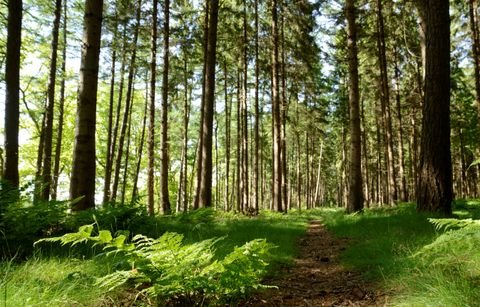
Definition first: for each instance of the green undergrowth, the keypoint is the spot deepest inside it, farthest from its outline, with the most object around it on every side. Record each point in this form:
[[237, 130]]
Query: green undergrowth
[[419, 259], [69, 275]]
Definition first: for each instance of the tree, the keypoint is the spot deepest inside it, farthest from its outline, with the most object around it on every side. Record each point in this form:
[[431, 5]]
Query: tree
[[83, 167], [276, 114], [151, 127], [474, 25], [48, 137], [165, 201], [12, 97], [355, 198], [61, 107], [434, 188], [205, 190]]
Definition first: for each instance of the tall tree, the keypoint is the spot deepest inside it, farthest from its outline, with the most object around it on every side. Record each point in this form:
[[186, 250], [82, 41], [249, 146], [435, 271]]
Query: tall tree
[[151, 127], [12, 97], [83, 167], [277, 195], [110, 153], [256, 174], [385, 104], [48, 137], [165, 201], [61, 107], [205, 191], [434, 188], [355, 198], [474, 26]]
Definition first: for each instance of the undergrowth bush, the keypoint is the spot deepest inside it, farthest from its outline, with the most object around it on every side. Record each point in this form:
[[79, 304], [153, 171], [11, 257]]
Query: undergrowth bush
[[167, 269]]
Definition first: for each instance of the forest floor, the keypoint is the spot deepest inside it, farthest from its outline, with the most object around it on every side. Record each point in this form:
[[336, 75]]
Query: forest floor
[[317, 277]]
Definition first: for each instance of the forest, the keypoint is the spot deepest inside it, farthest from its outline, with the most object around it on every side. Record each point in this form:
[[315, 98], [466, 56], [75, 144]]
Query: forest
[[239, 152]]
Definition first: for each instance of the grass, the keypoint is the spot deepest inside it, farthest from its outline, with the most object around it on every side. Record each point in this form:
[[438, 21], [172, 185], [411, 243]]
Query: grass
[[50, 282], [387, 245], [68, 279], [384, 242]]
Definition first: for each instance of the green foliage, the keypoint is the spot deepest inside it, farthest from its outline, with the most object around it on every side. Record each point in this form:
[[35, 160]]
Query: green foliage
[[166, 268]]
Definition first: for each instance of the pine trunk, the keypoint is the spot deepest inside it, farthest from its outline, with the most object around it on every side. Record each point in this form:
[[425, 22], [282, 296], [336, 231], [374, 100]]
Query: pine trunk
[[12, 95], [165, 200], [61, 107], [151, 127], [82, 182], [355, 199], [205, 195], [434, 190]]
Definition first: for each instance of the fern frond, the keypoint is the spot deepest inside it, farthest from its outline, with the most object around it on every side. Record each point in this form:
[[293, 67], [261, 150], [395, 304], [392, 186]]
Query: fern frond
[[448, 224]]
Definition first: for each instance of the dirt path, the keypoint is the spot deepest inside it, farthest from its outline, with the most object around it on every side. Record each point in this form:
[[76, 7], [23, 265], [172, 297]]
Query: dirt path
[[318, 278]]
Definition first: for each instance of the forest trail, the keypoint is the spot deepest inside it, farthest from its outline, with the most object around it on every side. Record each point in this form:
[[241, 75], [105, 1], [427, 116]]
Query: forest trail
[[318, 278]]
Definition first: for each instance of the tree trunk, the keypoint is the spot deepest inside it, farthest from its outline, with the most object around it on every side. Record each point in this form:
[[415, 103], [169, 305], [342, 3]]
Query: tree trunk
[[61, 107], [47, 155], [37, 190], [385, 102], [434, 190], [283, 114], [82, 183], [355, 199], [140, 149], [474, 26], [245, 179], [127, 153], [164, 166], [113, 147], [256, 174], [401, 155], [196, 202], [205, 195], [151, 127], [276, 114], [108, 158], [182, 203], [228, 117], [12, 95]]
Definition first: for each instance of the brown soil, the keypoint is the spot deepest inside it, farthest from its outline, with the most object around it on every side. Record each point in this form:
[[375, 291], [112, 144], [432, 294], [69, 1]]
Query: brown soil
[[317, 277]]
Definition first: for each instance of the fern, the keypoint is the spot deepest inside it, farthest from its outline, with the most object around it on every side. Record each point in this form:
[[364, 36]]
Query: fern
[[456, 250], [165, 267], [448, 224]]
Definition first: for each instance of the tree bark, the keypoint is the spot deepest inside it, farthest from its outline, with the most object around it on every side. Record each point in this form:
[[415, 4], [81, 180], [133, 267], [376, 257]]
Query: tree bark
[[140, 149], [108, 158], [61, 107], [276, 114], [385, 103], [151, 127], [196, 200], [12, 95], [434, 189], [244, 115], [256, 174], [47, 155], [164, 166], [355, 199], [474, 26], [205, 195], [82, 183]]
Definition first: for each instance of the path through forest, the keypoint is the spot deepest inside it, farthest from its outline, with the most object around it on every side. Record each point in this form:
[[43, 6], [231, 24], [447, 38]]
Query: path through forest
[[318, 278]]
